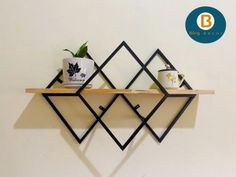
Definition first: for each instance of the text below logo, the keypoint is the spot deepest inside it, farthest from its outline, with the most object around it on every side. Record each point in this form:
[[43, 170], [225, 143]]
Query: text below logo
[[205, 24]]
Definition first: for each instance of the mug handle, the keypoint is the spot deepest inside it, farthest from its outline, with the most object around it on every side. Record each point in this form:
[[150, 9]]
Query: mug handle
[[182, 79]]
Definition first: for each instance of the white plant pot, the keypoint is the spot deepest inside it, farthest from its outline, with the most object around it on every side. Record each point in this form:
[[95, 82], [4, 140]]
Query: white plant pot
[[76, 71]]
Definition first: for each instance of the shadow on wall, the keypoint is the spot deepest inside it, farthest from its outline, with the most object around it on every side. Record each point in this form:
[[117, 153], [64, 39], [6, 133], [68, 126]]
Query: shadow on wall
[[39, 115], [120, 118], [93, 167]]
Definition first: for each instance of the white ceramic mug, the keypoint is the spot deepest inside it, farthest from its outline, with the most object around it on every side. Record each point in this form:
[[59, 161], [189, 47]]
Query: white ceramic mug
[[76, 71], [169, 78]]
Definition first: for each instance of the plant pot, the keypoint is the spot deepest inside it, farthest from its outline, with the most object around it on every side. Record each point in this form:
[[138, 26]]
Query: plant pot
[[76, 71]]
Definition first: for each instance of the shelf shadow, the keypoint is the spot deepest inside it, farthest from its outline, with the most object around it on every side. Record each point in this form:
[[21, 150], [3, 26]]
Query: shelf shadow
[[81, 153], [39, 115]]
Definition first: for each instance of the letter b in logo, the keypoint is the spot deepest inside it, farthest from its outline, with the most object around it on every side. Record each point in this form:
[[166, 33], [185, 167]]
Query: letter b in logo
[[205, 21]]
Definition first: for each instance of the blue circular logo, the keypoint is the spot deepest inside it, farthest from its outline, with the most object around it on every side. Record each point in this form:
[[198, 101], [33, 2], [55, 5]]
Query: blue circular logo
[[205, 24]]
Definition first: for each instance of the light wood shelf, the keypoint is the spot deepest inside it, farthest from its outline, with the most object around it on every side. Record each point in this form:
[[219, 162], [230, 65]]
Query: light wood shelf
[[116, 91]]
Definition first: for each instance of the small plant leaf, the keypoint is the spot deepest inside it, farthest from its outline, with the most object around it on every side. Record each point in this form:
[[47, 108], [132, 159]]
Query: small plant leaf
[[83, 45], [82, 50], [67, 50], [82, 53]]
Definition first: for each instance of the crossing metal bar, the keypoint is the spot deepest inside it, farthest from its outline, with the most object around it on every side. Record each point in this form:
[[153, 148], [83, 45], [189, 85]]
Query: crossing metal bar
[[98, 118]]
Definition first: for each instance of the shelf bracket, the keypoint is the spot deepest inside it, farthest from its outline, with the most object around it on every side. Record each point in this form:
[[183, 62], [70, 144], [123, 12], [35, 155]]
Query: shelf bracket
[[137, 106]]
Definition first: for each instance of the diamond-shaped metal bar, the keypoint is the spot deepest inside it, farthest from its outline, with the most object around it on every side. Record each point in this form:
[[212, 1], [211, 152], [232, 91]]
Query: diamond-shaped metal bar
[[191, 96], [57, 78], [181, 111], [100, 70], [143, 68], [63, 119], [122, 147], [134, 108], [68, 126]]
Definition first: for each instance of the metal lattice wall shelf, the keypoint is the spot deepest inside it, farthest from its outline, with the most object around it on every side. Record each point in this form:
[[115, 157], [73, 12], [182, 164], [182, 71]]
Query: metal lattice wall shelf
[[188, 92]]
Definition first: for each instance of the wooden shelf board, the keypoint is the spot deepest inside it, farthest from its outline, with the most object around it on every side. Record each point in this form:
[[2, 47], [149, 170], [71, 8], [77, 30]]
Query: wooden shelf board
[[116, 91]]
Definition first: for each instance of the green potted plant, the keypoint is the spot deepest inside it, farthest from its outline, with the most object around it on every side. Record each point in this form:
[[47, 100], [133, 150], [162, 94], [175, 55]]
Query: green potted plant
[[77, 69]]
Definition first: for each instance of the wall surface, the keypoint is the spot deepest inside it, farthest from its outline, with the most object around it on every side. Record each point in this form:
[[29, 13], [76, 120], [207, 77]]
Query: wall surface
[[34, 142]]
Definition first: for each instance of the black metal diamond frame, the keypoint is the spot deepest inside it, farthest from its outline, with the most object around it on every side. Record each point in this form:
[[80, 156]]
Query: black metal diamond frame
[[144, 120]]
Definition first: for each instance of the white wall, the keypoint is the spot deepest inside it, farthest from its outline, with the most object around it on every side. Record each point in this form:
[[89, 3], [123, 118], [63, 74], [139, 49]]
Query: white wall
[[33, 142]]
